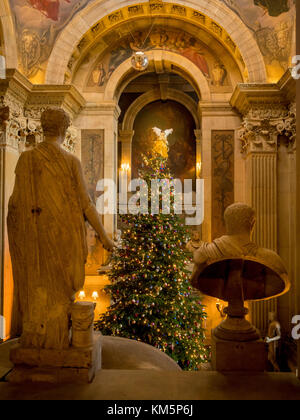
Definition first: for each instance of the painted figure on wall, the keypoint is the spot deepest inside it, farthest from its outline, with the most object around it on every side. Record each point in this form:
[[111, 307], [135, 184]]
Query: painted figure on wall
[[38, 23], [272, 23], [181, 142], [273, 8], [49, 8], [171, 40], [193, 53]]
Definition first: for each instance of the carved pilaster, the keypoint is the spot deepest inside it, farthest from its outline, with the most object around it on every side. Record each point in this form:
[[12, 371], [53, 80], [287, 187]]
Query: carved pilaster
[[259, 137]]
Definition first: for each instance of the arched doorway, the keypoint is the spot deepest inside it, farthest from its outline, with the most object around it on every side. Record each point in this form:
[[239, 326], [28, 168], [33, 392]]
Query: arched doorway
[[182, 146]]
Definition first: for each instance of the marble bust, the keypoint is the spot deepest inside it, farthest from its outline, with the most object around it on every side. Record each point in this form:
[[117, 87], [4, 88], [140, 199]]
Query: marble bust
[[47, 235], [240, 220]]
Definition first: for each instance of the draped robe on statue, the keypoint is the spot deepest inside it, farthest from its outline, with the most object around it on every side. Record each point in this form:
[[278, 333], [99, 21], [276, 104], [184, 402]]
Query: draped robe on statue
[[47, 236]]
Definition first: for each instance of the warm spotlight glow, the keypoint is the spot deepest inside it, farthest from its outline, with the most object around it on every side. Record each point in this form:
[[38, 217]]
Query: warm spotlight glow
[[81, 294], [95, 295]]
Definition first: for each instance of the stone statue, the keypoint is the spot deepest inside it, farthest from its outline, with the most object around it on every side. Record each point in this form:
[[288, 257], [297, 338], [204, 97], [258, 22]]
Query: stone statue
[[240, 220], [47, 235], [235, 269], [161, 146], [273, 340]]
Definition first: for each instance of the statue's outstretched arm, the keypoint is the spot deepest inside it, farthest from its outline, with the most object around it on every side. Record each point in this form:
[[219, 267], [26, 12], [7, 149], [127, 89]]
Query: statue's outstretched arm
[[89, 208]]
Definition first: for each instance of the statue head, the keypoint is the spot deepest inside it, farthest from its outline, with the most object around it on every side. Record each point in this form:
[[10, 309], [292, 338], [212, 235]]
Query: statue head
[[55, 122], [239, 219]]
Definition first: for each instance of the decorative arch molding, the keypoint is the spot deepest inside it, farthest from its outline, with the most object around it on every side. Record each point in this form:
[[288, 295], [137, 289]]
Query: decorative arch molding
[[158, 56], [223, 22], [9, 35], [156, 95]]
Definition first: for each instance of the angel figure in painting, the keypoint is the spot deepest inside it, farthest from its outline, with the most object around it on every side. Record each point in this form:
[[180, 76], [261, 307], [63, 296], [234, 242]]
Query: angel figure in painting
[[161, 146]]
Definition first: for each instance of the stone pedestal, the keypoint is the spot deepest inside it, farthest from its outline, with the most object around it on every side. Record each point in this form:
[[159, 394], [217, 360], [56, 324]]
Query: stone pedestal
[[76, 364], [236, 356], [72, 365]]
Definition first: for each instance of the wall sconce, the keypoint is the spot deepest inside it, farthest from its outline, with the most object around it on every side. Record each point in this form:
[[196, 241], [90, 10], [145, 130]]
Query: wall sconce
[[220, 309], [198, 168], [95, 295], [125, 167], [81, 295]]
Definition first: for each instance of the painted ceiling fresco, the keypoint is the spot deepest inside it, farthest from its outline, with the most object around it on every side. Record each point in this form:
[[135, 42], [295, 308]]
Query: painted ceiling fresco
[[39, 22], [272, 23], [164, 39]]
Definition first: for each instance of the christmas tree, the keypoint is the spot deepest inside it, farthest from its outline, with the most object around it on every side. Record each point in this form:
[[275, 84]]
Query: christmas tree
[[153, 301]]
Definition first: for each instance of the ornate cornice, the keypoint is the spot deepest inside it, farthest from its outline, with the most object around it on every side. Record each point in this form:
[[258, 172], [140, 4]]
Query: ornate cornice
[[247, 96], [264, 95], [17, 90], [26, 102]]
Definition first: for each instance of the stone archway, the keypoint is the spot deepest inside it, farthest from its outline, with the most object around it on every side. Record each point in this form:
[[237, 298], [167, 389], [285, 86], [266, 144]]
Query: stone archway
[[126, 132], [88, 17], [117, 81], [10, 44], [155, 95]]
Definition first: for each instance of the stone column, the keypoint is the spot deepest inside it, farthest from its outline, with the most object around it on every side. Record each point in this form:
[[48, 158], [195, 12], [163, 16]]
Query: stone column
[[259, 138], [11, 126]]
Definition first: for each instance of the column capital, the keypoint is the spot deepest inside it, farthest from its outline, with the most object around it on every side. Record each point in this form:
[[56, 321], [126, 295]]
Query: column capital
[[126, 136], [12, 129], [263, 124]]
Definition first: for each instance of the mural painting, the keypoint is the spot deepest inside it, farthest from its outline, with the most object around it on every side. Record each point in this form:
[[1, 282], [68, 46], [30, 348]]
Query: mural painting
[[160, 38], [272, 23], [92, 155], [222, 148], [182, 144], [38, 23]]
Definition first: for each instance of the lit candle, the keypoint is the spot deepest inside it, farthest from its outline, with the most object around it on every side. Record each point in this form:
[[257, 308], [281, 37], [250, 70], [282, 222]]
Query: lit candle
[[81, 295], [199, 167], [95, 295]]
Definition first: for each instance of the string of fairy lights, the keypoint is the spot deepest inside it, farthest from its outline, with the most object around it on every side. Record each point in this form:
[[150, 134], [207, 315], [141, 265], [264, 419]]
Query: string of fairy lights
[[153, 301]]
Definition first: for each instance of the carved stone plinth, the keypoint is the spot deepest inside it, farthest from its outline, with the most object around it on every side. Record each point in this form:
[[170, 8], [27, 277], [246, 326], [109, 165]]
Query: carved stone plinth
[[82, 324], [72, 365], [236, 356], [76, 364]]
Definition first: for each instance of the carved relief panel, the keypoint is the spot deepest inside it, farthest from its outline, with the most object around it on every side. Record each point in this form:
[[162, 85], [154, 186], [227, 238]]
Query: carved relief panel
[[92, 156], [222, 147]]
